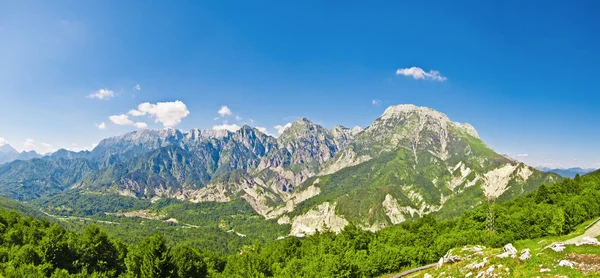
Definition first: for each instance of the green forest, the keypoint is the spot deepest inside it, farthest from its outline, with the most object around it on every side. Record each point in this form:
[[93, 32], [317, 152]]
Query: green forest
[[31, 247]]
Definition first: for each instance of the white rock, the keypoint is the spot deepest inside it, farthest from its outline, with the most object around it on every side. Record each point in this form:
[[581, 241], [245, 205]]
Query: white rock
[[557, 246], [566, 263], [474, 266], [427, 275], [525, 255], [509, 251], [544, 270], [469, 274], [588, 241], [476, 248], [496, 181], [321, 218]]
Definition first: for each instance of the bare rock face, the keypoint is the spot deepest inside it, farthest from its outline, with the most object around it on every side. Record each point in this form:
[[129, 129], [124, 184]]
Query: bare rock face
[[321, 218]]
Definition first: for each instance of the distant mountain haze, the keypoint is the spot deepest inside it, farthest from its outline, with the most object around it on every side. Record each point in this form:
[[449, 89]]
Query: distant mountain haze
[[568, 173]]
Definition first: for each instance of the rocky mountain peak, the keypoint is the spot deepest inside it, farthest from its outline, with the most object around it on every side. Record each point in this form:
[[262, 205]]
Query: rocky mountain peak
[[403, 110], [356, 129], [467, 128], [342, 135], [8, 149], [196, 134], [302, 128], [302, 121]]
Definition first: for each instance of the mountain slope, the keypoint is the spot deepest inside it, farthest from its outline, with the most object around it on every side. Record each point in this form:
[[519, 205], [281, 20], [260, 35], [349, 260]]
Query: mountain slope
[[410, 162], [31, 179]]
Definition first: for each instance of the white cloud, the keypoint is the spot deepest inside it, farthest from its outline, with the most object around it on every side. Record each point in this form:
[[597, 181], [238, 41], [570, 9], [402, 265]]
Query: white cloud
[[121, 119], [168, 113], [101, 125], [375, 102], [215, 118], [136, 113], [137, 87], [3, 141], [141, 125], [419, 73], [232, 128], [523, 155], [102, 94], [76, 148], [263, 130], [281, 128], [124, 120], [251, 121], [41, 148], [224, 111], [238, 118]]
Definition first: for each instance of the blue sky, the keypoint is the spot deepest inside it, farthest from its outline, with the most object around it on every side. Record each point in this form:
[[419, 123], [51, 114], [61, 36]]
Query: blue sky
[[524, 74]]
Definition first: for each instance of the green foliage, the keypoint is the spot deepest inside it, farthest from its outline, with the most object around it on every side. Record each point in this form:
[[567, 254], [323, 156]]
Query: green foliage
[[86, 203], [34, 248]]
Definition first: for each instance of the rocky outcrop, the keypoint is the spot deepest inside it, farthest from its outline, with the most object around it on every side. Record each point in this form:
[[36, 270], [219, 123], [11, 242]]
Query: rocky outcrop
[[321, 218], [495, 182]]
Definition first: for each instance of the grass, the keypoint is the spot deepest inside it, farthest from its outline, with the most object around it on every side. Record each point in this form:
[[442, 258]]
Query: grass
[[586, 258]]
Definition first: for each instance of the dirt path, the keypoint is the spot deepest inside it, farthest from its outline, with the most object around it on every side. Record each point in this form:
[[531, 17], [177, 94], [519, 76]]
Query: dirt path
[[593, 231], [403, 274]]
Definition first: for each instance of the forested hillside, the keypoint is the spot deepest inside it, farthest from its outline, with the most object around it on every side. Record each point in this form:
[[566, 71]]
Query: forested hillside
[[38, 248]]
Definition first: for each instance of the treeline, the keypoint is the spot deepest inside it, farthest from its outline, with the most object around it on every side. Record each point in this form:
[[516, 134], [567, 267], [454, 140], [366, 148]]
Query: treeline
[[34, 248]]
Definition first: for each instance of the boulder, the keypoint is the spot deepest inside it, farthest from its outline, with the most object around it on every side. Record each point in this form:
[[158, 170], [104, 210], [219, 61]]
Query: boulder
[[509, 251], [566, 263], [557, 246], [525, 255]]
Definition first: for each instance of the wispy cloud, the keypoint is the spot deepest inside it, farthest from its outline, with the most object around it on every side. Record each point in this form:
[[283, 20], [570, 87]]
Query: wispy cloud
[[224, 111], [101, 125], [137, 87], [3, 141], [419, 73], [523, 155], [225, 126], [77, 148], [263, 130], [39, 147], [281, 128], [238, 118], [102, 94], [375, 102]]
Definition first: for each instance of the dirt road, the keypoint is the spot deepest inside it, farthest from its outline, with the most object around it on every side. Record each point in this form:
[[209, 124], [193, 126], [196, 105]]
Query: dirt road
[[593, 231]]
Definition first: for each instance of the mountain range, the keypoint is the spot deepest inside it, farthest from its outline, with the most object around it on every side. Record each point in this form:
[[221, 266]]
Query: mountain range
[[567, 172], [9, 154], [411, 161]]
